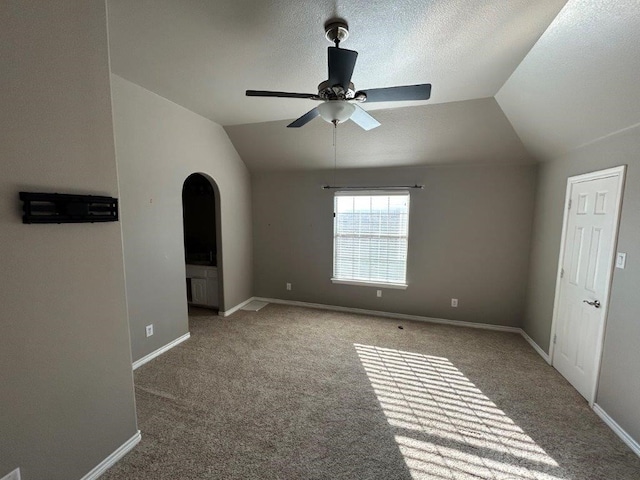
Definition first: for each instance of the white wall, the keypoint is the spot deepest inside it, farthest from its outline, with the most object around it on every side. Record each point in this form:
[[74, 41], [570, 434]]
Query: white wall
[[66, 387], [159, 144]]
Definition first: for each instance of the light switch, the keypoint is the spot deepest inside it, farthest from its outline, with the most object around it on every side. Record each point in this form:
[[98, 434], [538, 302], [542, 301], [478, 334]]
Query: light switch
[[621, 260]]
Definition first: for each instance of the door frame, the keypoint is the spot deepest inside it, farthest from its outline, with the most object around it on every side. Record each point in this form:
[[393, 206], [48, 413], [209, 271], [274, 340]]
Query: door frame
[[217, 197], [620, 172]]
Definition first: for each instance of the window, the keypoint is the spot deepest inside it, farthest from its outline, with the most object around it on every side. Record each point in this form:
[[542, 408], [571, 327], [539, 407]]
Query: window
[[370, 236]]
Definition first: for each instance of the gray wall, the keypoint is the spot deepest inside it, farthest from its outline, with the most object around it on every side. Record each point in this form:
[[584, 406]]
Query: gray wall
[[159, 144], [469, 238], [619, 388], [66, 392]]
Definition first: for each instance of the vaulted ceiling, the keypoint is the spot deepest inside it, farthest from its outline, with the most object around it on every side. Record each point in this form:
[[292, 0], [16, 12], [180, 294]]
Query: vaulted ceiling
[[204, 54], [579, 83]]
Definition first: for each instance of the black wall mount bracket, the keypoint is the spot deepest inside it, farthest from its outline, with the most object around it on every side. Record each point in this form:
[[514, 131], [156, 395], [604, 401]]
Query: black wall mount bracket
[[66, 208]]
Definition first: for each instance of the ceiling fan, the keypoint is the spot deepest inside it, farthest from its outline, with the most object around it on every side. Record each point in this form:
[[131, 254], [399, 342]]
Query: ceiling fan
[[338, 95]]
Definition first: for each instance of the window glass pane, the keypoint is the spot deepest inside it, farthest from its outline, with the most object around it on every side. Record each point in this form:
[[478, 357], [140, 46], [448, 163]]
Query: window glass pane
[[361, 204], [344, 204], [379, 204]]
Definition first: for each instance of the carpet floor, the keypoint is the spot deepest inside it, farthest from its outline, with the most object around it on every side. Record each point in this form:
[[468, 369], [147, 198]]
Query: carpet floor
[[297, 393]]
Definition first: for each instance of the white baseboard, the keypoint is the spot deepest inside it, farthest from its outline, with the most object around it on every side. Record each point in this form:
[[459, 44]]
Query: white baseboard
[[399, 316], [15, 475], [536, 347], [403, 316], [226, 313], [624, 436], [108, 462], [160, 351]]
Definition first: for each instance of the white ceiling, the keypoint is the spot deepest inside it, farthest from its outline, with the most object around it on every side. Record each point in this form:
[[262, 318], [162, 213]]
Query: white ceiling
[[580, 81], [204, 54]]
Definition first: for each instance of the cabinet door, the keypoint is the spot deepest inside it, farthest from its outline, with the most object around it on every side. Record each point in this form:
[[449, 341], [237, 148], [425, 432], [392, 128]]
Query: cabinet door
[[199, 291]]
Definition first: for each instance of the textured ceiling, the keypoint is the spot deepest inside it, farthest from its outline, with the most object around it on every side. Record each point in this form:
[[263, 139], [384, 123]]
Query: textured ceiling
[[204, 54], [580, 81]]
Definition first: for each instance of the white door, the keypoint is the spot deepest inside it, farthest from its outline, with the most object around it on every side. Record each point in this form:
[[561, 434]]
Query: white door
[[591, 224]]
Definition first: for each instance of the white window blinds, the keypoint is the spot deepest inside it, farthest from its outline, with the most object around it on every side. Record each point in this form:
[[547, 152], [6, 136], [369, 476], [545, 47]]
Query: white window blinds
[[370, 237]]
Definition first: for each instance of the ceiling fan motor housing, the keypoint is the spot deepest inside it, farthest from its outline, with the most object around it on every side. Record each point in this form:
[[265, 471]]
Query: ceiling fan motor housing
[[326, 91]]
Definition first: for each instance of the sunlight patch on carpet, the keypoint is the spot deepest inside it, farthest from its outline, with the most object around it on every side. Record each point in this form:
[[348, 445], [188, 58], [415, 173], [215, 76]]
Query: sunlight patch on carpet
[[445, 427]]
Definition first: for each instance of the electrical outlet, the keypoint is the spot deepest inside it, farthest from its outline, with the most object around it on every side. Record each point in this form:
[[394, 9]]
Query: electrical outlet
[[149, 329], [378, 293], [454, 302], [15, 475], [288, 286]]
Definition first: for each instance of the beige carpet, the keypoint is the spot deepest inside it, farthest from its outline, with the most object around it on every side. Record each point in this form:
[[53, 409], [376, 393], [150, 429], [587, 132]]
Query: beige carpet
[[295, 393]]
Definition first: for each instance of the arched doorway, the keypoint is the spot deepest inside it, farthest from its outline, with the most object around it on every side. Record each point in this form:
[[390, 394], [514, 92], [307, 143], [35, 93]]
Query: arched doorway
[[201, 227]]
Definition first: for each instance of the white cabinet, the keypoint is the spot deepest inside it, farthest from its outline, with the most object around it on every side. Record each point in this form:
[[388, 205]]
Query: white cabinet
[[204, 285], [199, 291]]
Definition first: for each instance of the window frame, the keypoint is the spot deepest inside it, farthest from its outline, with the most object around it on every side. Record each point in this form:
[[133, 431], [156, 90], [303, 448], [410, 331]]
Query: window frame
[[370, 193]]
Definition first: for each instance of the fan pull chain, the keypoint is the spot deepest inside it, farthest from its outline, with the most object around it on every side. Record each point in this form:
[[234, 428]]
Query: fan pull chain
[[335, 151]]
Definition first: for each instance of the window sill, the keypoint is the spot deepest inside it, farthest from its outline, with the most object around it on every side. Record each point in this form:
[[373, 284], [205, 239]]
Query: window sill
[[398, 286]]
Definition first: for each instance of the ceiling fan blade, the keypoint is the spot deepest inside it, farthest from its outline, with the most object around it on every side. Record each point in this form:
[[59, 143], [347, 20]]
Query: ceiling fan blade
[[306, 118], [362, 118], [396, 94], [341, 65], [265, 93]]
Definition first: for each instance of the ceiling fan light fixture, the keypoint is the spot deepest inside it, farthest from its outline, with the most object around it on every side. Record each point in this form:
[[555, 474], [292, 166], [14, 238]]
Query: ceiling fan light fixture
[[336, 111]]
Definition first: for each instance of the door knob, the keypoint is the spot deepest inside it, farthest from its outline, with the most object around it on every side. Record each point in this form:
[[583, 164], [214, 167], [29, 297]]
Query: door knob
[[595, 303]]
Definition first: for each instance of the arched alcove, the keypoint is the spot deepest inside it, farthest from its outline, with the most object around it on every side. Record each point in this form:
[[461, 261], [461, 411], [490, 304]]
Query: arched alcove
[[201, 227]]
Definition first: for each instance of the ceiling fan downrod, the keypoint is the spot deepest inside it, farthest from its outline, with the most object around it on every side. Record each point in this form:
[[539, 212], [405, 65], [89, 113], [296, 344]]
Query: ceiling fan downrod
[[336, 31]]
